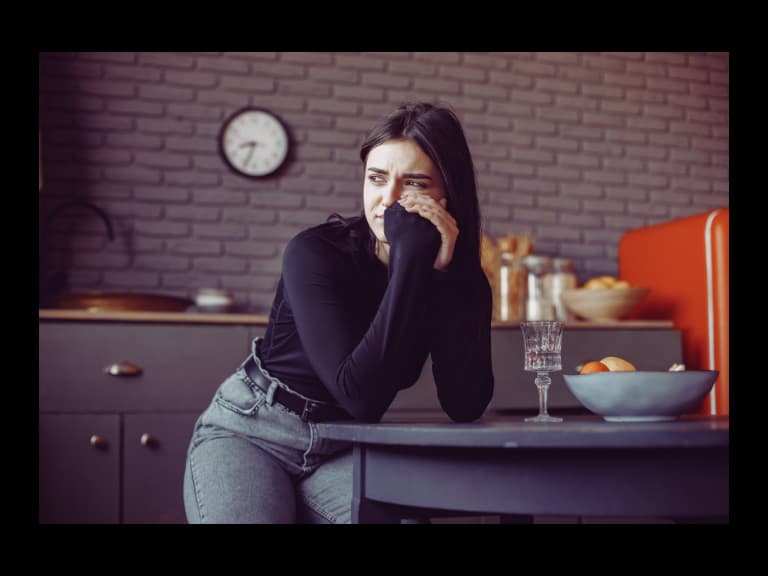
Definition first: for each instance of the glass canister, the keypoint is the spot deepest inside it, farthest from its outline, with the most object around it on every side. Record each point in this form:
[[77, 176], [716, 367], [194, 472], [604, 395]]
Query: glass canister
[[510, 288], [538, 300], [563, 278]]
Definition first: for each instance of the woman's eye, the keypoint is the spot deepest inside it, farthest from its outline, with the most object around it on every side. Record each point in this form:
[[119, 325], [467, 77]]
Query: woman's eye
[[375, 178]]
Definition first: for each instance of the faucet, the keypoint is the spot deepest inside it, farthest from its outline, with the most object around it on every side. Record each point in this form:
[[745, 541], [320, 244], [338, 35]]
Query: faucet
[[50, 283], [84, 204]]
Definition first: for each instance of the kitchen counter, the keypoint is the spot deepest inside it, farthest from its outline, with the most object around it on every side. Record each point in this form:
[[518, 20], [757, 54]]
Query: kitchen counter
[[647, 344], [162, 317], [261, 319]]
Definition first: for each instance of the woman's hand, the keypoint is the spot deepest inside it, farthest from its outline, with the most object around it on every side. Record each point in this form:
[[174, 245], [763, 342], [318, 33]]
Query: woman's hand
[[434, 211]]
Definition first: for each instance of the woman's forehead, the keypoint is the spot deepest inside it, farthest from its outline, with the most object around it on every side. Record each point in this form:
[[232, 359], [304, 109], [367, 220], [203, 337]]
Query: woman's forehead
[[403, 154]]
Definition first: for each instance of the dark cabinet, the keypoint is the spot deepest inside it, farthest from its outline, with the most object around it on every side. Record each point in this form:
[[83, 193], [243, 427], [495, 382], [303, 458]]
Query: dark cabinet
[[81, 457], [79, 468], [154, 450], [117, 403], [123, 367]]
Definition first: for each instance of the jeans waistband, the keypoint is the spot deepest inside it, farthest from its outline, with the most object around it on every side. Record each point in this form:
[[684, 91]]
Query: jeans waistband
[[309, 410]]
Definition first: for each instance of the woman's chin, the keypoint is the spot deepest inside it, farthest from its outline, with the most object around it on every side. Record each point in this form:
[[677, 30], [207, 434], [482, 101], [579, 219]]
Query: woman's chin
[[378, 229]]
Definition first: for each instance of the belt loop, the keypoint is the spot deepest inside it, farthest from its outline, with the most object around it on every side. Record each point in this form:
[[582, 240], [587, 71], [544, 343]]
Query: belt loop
[[271, 393], [255, 346]]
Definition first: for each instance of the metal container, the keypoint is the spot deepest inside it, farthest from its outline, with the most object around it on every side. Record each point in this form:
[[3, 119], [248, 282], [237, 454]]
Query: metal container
[[563, 278], [538, 300]]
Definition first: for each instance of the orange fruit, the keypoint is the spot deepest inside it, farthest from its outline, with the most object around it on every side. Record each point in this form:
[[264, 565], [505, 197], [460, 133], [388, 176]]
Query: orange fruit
[[593, 366]]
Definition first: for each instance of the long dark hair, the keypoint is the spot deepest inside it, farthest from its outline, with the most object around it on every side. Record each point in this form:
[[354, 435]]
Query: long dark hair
[[439, 133]]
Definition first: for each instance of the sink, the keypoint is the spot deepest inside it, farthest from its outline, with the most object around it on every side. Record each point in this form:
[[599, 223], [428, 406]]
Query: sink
[[95, 301]]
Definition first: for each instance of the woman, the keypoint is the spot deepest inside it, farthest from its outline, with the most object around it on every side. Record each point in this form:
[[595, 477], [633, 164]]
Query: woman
[[360, 305]]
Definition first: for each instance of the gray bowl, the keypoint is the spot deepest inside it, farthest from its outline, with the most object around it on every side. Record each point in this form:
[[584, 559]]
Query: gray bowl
[[641, 396]]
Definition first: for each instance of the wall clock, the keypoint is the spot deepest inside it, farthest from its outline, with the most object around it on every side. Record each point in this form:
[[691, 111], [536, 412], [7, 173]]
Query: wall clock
[[254, 142]]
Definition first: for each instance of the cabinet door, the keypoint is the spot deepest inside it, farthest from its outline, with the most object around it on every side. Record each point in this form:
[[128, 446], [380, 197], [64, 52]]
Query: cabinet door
[[79, 467], [155, 452]]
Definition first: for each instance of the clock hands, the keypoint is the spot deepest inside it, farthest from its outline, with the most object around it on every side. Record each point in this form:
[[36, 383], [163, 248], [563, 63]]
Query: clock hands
[[252, 144]]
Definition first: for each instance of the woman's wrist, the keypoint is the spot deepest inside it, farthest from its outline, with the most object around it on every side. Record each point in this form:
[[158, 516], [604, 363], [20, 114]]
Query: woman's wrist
[[410, 236]]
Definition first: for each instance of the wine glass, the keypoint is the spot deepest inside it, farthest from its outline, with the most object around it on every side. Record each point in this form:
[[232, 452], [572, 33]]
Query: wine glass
[[542, 340]]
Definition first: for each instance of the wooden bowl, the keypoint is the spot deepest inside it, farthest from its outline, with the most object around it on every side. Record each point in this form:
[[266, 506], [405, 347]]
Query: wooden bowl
[[603, 304], [96, 301]]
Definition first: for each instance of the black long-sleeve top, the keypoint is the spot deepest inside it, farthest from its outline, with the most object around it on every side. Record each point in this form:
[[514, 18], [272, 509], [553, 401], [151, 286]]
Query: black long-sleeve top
[[346, 328]]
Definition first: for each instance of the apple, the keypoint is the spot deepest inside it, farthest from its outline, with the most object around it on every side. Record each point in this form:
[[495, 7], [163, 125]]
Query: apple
[[616, 364]]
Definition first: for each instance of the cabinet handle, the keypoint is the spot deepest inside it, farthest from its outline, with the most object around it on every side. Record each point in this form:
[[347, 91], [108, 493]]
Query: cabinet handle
[[99, 442], [148, 440], [123, 369]]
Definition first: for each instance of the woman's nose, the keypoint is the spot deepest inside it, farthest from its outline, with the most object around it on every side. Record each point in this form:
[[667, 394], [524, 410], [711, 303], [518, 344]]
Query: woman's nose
[[391, 194]]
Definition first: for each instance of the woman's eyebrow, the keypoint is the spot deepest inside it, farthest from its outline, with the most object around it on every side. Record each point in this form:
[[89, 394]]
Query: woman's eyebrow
[[414, 175]]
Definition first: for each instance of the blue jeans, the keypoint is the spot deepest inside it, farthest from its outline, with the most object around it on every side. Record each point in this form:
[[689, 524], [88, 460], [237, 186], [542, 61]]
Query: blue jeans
[[251, 460]]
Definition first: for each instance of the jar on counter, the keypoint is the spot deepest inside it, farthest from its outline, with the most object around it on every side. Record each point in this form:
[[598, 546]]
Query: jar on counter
[[563, 278], [509, 288], [538, 300]]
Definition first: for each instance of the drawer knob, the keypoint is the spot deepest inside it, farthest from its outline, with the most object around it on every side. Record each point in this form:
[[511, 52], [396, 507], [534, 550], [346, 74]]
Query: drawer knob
[[148, 440], [99, 442], [123, 369]]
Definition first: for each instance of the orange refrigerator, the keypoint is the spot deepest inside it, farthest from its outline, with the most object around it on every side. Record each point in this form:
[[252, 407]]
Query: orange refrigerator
[[684, 262]]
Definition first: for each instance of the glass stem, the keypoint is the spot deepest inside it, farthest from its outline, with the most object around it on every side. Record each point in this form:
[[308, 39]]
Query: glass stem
[[542, 383]]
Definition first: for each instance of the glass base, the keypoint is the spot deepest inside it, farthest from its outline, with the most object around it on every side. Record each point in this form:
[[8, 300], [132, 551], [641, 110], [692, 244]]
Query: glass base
[[543, 418]]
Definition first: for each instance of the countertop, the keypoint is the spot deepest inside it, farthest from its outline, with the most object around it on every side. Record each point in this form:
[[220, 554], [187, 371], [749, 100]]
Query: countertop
[[261, 319], [166, 317]]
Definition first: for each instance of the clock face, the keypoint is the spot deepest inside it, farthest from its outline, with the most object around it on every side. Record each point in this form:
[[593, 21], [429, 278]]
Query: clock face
[[254, 142]]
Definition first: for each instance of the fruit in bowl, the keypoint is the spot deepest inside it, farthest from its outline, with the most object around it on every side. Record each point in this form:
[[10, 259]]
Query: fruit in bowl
[[607, 364], [605, 281], [604, 298], [593, 366]]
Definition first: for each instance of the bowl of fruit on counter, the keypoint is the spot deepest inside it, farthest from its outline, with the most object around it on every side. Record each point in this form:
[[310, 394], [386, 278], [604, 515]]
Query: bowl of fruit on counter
[[604, 298], [616, 390]]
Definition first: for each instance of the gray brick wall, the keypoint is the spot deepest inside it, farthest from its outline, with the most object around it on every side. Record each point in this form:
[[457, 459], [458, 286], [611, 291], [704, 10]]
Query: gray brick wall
[[574, 148]]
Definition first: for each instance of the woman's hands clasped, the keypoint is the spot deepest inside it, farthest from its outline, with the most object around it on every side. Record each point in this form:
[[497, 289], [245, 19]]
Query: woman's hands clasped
[[435, 211]]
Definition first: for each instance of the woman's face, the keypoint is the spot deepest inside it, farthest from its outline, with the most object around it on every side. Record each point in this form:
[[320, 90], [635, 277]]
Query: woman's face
[[392, 169]]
